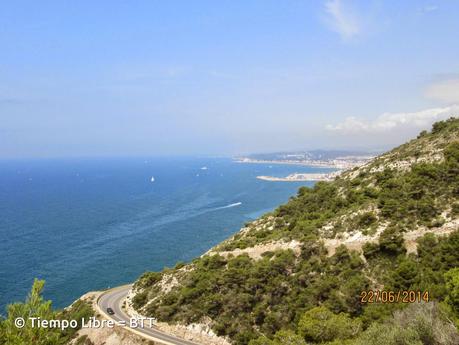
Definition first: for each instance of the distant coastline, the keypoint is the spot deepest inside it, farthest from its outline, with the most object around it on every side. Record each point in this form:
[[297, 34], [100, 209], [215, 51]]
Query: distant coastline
[[341, 163], [298, 177], [291, 162]]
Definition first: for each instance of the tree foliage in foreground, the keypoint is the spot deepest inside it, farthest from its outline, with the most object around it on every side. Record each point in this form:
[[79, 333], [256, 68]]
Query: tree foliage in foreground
[[36, 306]]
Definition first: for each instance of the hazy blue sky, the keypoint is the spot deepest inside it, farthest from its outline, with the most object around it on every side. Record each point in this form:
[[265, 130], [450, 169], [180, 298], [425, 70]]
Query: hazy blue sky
[[92, 78]]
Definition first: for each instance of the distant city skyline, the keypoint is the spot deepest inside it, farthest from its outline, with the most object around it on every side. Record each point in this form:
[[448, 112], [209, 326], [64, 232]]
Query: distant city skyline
[[113, 78]]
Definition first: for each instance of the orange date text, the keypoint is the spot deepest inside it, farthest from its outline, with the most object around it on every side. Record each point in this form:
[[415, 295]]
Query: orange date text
[[387, 296]]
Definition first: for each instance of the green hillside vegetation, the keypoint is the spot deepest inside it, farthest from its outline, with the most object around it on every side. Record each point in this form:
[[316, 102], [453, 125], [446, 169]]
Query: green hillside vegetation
[[312, 297]]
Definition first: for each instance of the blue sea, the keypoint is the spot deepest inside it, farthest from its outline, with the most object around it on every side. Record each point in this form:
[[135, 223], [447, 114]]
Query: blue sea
[[89, 224]]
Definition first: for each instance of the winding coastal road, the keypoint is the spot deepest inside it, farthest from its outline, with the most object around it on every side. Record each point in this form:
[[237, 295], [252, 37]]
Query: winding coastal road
[[114, 298]]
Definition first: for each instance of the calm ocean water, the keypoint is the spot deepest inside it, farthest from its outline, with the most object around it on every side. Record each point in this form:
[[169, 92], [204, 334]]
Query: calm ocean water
[[90, 224]]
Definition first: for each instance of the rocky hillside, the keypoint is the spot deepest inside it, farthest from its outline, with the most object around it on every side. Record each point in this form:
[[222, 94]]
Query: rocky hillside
[[391, 224]]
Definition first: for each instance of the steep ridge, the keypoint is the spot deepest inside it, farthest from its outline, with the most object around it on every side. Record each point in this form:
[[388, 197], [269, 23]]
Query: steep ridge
[[391, 224]]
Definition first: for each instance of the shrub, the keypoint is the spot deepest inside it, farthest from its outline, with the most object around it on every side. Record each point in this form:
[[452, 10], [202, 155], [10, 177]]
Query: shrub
[[452, 286], [140, 299], [422, 134], [148, 279], [429, 322], [78, 311], [283, 337], [370, 249], [381, 334], [366, 219], [439, 126], [405, 275], [320, 325], [391, 241], [455, 209], [418, 324]]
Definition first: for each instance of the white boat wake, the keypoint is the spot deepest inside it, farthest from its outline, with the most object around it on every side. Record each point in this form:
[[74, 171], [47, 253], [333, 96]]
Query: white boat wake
[[228, 206]]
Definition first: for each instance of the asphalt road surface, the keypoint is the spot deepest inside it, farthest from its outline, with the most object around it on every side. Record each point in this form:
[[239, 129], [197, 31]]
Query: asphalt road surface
[[113, 298]]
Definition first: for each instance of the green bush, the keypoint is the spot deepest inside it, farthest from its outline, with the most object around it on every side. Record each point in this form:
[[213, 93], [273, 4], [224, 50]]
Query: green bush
[[140, 299], [391, 241], [148, 279], [321, 325], [455, 209], [366, 219], [452, 286], [380, 334], [370, 249], [418, 324], [283, 337], [36, 306], [78, 311]]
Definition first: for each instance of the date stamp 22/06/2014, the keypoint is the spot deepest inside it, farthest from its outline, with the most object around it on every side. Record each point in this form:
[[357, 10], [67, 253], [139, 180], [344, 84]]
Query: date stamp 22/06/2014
[[388, 296]]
